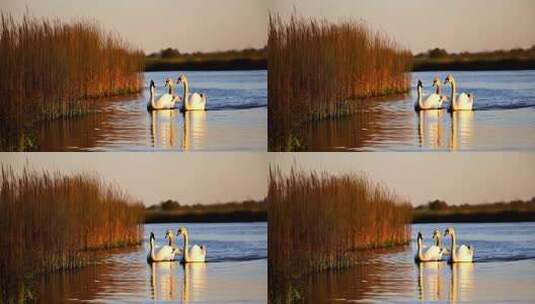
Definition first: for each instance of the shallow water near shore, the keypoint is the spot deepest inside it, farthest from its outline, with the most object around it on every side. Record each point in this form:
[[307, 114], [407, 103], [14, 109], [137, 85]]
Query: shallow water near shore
[[503, 119], [236, 119], [504, 271], [236, 271]]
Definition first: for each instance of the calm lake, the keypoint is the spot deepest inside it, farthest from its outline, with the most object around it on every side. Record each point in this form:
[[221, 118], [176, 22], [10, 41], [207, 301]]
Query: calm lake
[[236, 119], [503, 119], [503, 272], [236, 271]]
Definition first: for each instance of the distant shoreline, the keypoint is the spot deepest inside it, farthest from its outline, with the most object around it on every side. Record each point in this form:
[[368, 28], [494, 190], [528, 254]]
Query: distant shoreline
[[491, 217], [211, 65], [259, 216], [476, 65], [211, 217]]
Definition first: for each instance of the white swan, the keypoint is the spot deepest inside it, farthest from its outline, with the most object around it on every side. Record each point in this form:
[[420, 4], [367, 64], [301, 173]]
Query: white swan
[[195, 253], [193, 102], [163, 102], [432, 254], [163, 254], [461, 254], [433, 101], [463, 102]]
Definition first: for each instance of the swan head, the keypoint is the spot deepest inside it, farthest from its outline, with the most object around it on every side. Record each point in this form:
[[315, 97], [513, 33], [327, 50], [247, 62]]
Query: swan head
[[169, 82], [152, 85], [151, 237], [169, 234], [182, 78], [181, 231], [420, 237], [449, 79], [436, 234], [436, 82], [420, 84], [449, 231]]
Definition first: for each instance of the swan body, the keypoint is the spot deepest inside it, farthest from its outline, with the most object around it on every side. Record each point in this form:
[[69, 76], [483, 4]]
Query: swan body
[[165, 101], [195, 254], [163, 254], [431, 254], [463, 102], [191, 102], [432, 102], [459, 254]]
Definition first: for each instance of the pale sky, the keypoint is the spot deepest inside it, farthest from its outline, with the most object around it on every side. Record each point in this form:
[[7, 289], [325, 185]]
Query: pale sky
[[200, 25], [456, 25], [153, 177], [421, 177]]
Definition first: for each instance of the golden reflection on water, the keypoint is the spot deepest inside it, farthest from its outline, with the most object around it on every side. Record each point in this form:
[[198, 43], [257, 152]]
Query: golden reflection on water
[[462, 129], [194, 130], [431, 129], [167, 286], [462, 282], [430, 281], [163, 281], [164, 129]]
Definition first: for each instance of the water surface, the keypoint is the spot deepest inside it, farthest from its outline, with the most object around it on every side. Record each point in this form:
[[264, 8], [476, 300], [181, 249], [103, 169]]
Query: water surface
[[503, 119], [236, 119], [503, 271], [236, 271]]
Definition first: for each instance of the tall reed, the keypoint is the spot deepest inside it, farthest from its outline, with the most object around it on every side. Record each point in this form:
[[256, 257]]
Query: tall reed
[[319, 221], [51, 68], [319, 70], [52, 221]]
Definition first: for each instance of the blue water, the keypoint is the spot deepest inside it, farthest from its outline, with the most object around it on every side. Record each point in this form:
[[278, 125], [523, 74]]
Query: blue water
[[225, 90], [235, 271], [503, 270], [503, 118]]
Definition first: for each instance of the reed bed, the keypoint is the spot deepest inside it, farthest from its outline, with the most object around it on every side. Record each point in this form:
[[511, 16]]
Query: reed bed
[[51, 69], [321, 70], [319, 221], [52, 221]]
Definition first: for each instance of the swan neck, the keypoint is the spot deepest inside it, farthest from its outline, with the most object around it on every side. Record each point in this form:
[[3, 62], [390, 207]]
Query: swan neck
[[186, 253], [152, 97], [438, 89], [453, 245], [170, 89], [152, 250], [186, 90], [453, 89], [420, 97], [420, 249]]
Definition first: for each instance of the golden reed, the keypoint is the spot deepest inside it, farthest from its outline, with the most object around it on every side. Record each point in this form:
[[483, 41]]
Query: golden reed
[[320, 70], [319, 221], [52, 221], [49, 69]]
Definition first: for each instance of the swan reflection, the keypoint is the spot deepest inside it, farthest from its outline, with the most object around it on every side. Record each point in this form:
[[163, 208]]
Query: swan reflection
[[194, 281], [462, 126], [430, 281], [430, 129], [194, 129], [164, 281], [462, 282], [164, 129]]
